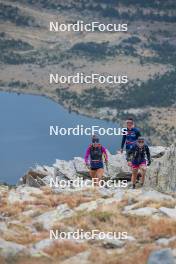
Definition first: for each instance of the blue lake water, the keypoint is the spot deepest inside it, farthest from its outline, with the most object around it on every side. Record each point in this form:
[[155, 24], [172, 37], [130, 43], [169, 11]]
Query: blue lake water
[[25, 139]]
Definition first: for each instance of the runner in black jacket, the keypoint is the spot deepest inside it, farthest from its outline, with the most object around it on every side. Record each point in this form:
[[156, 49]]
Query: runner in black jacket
[[140, 159]]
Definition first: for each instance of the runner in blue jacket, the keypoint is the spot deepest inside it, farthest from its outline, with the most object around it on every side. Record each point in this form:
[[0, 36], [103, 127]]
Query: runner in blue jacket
[[130, 138]]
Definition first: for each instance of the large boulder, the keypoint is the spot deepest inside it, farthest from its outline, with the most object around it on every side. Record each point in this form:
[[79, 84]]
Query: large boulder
[[65, 169], [80, 167], [162, 256], [162, 172], [170, 212], [157, 151], [22, 194], [117, 169], [10, 249], [48, 219]]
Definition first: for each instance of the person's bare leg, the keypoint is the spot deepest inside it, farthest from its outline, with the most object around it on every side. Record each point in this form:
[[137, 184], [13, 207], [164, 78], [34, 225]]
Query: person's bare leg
[[134, 176], [99, 174], [93, 175], [143, 172]]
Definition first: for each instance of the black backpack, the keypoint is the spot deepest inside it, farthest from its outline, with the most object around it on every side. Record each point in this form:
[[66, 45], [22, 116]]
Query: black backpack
[[96, 152], [140, 153]]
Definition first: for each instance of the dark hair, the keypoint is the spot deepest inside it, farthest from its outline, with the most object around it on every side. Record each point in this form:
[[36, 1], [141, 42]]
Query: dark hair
[[95, 139], [131, 119], [141, 138]]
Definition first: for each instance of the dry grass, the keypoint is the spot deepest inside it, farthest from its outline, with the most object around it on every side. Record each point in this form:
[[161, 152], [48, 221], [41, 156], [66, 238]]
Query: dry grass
[[23, 259], [105, 218], [169, 204], [110, 218], [53, 200], [173, 244], [9, 210], [155, 204], [162, 228], [2, 260], [132, 254], [23, 236], [63, 249], [137, 254]]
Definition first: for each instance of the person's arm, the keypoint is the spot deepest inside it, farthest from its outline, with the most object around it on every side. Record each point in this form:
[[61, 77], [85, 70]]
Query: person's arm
[[87, 155], [123, 141], [131, 150], [148, 154], [105, 154], [138, 134]]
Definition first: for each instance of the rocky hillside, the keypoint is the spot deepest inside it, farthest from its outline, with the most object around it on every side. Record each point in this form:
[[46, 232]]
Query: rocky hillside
[[146, 53], [160, 175], [27, 214]]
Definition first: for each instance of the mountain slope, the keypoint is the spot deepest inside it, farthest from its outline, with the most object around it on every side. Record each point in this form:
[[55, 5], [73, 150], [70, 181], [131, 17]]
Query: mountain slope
[[146, 54]]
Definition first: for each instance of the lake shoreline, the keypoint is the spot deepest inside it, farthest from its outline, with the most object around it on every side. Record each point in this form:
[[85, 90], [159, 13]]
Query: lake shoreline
[[60, 102], [26, 141]]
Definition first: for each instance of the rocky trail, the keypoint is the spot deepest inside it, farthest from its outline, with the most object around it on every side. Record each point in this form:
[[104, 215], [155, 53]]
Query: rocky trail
[[33, 210]]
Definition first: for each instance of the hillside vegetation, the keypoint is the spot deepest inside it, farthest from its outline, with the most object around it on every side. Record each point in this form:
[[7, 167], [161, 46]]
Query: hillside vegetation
[[146, 53]]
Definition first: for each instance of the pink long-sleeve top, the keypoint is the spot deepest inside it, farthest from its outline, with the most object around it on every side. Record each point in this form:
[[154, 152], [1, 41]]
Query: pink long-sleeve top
[[104, 153]]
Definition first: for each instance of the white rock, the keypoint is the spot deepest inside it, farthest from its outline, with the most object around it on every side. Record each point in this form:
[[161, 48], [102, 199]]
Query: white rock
[[29, 213], [118, 166], [132, 206], [22, 194], [161, 175], [90, 206], [3, 189], [45, 170], [3, 227], [79, 258], [47, 179], [131, 238], [107, 192], [162, 256], [10, 249], [28, 190], [146, 211], [171, 212], [154, 196], [14, 197], [66, 168], [42, 244], [165, 241], [79, 165], [48, 219], [113, 243], [109, 201], [157, 151]]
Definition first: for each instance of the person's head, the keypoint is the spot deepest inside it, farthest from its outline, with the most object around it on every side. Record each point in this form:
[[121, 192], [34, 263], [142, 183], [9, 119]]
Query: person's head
[[130, 123], [95, 139], [140, 141]]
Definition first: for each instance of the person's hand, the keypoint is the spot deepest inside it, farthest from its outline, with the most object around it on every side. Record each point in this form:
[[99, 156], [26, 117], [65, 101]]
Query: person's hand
[[149, 162], [129, 163], [87, 165], [121, 151]]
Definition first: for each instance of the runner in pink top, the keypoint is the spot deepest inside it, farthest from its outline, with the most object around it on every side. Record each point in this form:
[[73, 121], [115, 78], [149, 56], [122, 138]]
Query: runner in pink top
[[95, 153]]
